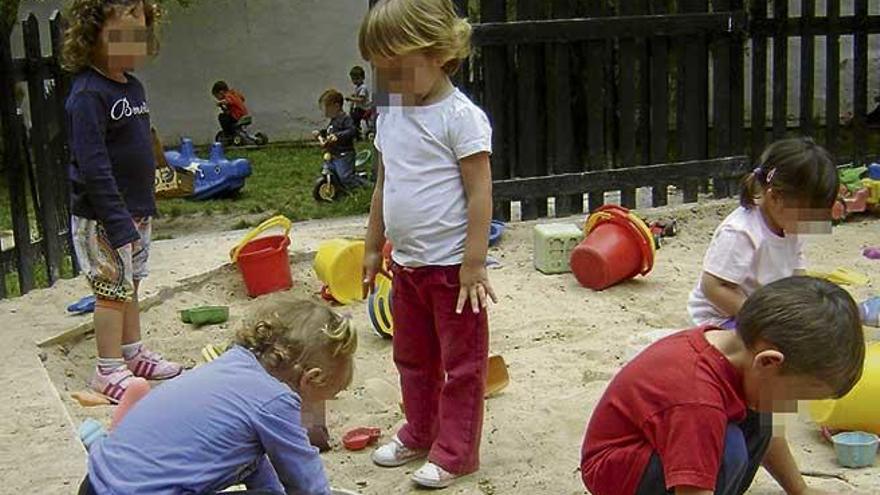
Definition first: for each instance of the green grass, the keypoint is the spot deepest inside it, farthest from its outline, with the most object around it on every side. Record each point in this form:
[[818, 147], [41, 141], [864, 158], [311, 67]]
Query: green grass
[[41, 276], [281, 183], [5, 211]]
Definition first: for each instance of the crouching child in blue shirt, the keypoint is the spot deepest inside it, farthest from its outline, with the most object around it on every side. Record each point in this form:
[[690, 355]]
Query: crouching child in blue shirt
[[235, 420]]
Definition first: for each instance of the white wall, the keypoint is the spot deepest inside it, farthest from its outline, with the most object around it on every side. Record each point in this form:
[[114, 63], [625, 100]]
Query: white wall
[[282, 54]]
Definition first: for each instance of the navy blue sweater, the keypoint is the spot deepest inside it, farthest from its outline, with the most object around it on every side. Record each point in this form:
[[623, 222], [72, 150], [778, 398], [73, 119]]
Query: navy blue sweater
[[343, 126], [113, 169]]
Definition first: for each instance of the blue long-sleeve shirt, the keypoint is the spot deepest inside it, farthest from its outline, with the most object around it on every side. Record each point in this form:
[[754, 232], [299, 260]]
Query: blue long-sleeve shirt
[[223, 423], [113, 169]]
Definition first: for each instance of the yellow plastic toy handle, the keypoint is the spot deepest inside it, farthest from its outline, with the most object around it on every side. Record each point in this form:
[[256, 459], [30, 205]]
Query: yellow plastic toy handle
[[276, 221], [646, 230], [594, 220]]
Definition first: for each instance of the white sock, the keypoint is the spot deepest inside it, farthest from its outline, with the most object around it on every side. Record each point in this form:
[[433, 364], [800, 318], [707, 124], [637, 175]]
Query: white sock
[[109, 365], [130, 350]]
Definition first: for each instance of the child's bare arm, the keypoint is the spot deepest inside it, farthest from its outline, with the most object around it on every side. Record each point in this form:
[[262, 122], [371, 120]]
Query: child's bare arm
[[781, 465], [375, 229], [728, 297], [476, 175]]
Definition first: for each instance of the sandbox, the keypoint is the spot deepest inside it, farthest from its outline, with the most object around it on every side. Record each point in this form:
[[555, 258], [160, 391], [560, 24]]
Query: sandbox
[[562, 344]]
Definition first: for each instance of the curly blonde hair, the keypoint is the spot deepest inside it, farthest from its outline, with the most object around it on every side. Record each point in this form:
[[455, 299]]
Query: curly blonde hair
[[284, 333], [85, 20], [397, 27]]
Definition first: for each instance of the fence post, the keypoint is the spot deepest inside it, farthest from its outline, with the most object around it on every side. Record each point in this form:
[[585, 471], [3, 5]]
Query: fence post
[[597, 94], [759, 79], [780, 69], [15, 167], [693, 77], [531, 158], [60, 146], [737, 96], [462, 78], [722, 111], [561, 124], [808, 67], [631, 101], [659, 128], [832, 68], [860, 81], [46, 176], [495, 70]]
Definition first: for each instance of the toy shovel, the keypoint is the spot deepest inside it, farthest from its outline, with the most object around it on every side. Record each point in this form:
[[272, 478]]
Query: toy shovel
[[205, 315], [842, 276], [497, 378], [360, 438], [211, 352]]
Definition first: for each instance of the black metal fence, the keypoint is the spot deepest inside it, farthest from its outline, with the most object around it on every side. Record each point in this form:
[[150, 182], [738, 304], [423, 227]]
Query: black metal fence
[[34, 160]]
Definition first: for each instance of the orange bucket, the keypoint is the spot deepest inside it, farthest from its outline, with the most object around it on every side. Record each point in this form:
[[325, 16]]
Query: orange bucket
[[618, 246], [263, 262]]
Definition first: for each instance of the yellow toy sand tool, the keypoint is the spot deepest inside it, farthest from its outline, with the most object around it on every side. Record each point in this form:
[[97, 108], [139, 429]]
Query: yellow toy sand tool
[[497, 378], [212, 351], [842, 276]]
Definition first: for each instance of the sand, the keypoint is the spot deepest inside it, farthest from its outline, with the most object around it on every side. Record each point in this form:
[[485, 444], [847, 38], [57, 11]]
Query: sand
[[562, 344]]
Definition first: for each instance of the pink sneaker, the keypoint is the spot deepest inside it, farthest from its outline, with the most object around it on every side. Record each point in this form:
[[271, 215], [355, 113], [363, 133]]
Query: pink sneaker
[[152, 366], [112, 385]]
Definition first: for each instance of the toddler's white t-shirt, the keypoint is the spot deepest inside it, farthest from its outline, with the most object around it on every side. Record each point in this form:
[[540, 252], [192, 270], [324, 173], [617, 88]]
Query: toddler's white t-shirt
[[425, 205], [745, 252]]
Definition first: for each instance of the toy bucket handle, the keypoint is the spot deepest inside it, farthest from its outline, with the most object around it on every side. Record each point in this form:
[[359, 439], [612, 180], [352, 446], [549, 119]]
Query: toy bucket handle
[[276, 221]]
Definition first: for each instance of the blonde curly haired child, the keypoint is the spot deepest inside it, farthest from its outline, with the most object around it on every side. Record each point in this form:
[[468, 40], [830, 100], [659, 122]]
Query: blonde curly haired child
[[237, 419]]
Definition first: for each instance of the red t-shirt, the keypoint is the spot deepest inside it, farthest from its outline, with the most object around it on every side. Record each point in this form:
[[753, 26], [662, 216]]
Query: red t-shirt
[[675, 398], [235, 104]]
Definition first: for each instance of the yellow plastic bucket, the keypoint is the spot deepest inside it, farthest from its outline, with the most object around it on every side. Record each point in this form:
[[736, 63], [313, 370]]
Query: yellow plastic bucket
[[339, 264], [860, 408]]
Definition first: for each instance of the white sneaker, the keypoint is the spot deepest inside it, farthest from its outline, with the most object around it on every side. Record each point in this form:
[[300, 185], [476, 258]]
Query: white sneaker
[[433, 476], [395, 453]]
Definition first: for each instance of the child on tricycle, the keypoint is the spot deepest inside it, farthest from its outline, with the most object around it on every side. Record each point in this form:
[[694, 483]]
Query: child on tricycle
[[340, 159], [234, 118]]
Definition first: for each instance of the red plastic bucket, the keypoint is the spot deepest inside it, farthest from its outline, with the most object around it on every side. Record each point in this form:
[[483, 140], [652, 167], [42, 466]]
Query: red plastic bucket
[[615, 249], [263, 262]]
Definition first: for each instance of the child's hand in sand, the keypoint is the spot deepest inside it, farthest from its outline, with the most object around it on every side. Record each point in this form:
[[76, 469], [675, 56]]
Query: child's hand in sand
[[319, 437], [474, 280]]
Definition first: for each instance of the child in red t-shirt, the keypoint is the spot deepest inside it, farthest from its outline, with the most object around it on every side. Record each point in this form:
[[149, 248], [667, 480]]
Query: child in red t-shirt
[[680, 418], [232, 104]]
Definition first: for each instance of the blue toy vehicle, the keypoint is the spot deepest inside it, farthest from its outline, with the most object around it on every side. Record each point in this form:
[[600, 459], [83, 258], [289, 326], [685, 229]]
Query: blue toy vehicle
[[216, 177]]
